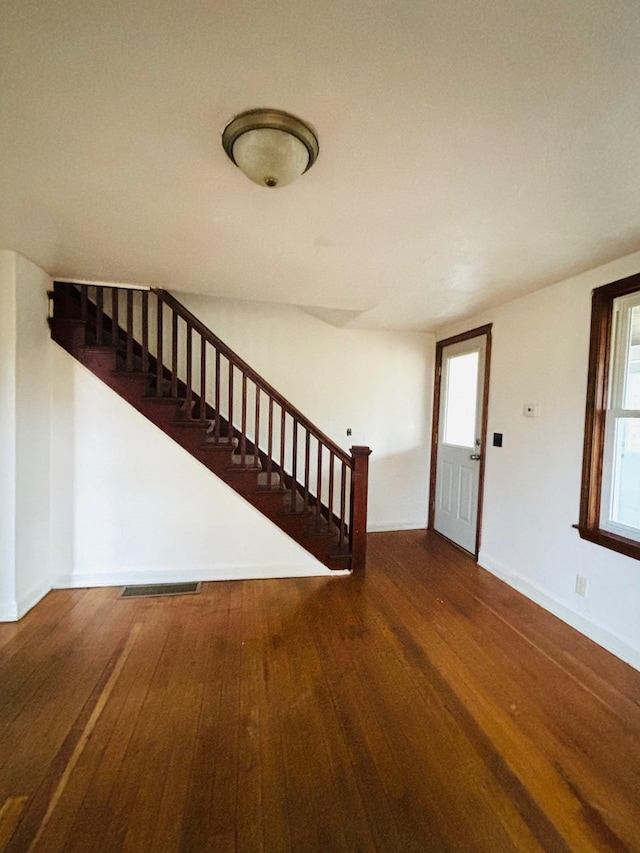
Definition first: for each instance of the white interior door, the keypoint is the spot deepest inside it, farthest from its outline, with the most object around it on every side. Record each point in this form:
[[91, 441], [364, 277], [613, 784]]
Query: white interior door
[[459, 450]]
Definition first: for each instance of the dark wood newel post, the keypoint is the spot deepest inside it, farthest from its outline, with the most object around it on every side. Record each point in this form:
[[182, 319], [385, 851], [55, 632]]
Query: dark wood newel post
[[359, 490]]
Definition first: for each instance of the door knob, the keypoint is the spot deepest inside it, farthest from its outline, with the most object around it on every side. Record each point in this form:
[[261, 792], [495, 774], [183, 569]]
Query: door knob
[[475, 456]]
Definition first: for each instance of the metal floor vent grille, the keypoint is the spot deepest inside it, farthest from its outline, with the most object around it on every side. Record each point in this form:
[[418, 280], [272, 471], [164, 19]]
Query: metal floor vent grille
[[153, 590]]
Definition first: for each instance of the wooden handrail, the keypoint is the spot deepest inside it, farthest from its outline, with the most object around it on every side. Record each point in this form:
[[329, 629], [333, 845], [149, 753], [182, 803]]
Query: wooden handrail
[[255, 377]]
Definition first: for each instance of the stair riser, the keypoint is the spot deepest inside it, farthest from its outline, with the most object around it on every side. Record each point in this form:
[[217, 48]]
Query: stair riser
[[131, 388], [68, 334], [270, 503], [245, 481], [191, 437], [162, 415], [294, 525], [100, 362], [321, 549], [215, 460]]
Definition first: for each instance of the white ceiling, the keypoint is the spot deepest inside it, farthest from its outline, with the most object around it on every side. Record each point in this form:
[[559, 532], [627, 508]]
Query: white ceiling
[[469, 151]]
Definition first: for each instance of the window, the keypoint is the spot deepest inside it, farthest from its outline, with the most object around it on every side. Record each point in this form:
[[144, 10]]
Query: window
[[461, 400], [610, 500]]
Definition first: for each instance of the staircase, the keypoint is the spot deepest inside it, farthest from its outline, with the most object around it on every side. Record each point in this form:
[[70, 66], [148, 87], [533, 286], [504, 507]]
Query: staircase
[[159, 357]]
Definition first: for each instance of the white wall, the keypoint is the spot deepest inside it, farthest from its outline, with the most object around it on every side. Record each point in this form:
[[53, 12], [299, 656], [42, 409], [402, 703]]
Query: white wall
[[33, 389], [379, 384], [134, 507], [8, 608], [24, 442], [532, 485]]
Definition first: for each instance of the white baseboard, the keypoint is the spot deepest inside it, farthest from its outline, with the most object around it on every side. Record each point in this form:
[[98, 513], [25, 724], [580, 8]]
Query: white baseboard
[[131, 577], [12, 611], [600, 635], [390, 526], [32, 598], [8, 611]]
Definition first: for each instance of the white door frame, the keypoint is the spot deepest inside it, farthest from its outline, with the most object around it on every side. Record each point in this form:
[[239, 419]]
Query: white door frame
[[440, 345]]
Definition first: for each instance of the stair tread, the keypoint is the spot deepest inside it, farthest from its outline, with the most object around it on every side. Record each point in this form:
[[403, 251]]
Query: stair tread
[[190, 423], [96, 348], [177, 401], [322, 534]]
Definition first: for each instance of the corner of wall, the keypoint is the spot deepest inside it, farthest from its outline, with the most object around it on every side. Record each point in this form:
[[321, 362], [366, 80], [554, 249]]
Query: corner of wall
[[8, 607]]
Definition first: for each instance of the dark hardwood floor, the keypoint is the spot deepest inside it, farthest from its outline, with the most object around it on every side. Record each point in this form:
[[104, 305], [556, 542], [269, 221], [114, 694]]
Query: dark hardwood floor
[[424, 707]]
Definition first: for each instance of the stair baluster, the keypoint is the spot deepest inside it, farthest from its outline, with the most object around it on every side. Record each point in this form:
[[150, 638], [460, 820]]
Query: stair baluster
[[174, 354], [243, 436], [203, 378], [188, 405], [216, 422], [145, 331], [129, 330], [159, 347], [99, 315]]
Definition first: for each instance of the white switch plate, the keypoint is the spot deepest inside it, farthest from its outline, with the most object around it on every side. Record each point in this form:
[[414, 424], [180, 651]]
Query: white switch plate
[[530, 410], [581, 586]]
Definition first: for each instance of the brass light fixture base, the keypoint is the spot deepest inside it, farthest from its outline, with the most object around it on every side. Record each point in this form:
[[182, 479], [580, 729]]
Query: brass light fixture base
[[262, 119]]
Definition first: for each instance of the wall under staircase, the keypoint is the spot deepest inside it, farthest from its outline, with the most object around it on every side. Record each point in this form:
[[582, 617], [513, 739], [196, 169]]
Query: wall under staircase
[[119, 517]]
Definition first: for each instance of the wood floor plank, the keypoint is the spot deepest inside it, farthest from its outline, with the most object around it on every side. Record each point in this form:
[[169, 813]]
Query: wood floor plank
[[139, 784], [422, 707], [308, 783], [36, 727], [222, 806], [353, 814], [250, 817], [36, 627], [432, 725], [10, 813], [273, 796], [186, 690], [196, 824], [82, 806]]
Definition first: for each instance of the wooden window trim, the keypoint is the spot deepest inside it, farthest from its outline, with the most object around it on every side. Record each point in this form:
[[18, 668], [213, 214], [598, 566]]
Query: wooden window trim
[[595, 418]]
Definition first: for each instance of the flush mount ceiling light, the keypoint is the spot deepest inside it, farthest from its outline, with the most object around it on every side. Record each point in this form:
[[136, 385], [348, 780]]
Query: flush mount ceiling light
[[272, 147]]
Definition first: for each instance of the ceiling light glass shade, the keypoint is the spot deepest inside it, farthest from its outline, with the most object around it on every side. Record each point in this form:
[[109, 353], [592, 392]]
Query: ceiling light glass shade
[[271, 147], [271, 158]]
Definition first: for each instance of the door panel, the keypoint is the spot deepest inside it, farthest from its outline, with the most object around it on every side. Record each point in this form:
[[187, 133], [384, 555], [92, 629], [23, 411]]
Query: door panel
[[458, 448], [467, 496], [446, 488]]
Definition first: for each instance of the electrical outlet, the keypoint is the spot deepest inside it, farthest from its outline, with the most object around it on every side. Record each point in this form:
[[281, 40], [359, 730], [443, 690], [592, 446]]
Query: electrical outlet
[[581, 586], [530, 410]]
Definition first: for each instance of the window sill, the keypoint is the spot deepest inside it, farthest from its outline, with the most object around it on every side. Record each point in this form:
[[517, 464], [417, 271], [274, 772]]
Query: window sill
[[622, 544]]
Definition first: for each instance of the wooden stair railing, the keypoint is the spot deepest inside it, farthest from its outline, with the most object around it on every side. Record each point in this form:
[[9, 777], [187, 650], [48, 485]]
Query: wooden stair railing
[[153, 350]]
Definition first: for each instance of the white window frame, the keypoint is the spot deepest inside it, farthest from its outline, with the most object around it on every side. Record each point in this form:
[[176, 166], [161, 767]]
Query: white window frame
[[620, 354], [608, 358]]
